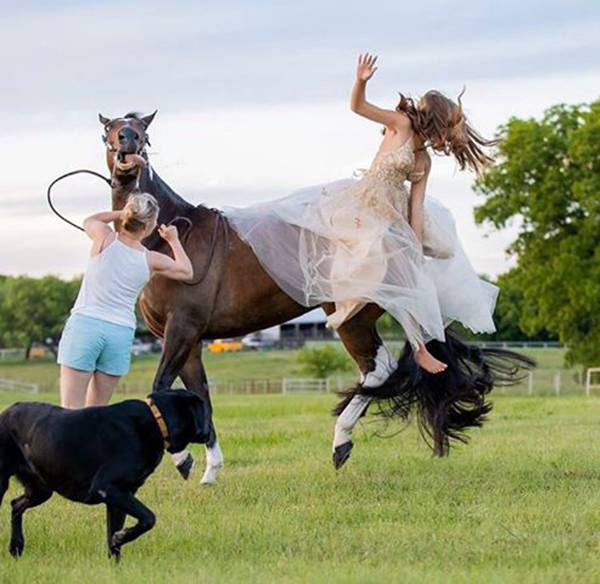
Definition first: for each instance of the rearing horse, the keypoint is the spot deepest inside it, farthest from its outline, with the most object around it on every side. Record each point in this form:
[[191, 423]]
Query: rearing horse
[[232, 295]]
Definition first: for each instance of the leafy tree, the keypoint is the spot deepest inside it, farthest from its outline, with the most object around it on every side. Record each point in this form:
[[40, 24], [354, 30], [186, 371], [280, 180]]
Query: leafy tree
[[33, 310], [324, 361], [547, 180]]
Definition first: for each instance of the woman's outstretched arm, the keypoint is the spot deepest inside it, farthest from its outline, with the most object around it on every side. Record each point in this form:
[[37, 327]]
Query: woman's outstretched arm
[[358, 101]]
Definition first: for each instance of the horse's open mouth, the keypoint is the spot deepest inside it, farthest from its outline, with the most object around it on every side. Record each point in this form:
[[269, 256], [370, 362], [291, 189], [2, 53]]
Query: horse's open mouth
[[128, 162]]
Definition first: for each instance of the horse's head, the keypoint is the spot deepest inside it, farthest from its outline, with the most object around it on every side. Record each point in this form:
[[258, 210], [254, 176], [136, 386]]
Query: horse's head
[[126, 139]]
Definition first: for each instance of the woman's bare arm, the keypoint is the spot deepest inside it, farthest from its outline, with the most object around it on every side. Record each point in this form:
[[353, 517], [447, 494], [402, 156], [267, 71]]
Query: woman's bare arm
[[179, 267], [417, 197], [358, 101], [96, 226]]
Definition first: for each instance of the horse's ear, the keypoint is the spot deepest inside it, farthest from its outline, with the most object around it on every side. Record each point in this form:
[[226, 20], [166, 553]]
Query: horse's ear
[[147, 120], [104, 121]]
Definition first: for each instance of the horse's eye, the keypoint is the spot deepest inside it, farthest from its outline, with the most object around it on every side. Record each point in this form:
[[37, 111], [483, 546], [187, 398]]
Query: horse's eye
[[137, 136]]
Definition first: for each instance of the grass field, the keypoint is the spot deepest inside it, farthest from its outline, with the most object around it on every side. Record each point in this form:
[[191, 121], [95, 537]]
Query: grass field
[[521, 503]]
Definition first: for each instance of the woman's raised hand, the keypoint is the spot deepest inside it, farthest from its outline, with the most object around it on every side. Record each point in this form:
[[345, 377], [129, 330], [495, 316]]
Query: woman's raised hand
[[168, 232], [366, 67]]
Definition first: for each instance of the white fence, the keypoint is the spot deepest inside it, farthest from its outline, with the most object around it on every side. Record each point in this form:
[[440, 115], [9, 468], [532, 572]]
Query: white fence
[[13, 385], [12, 354], [539, 382], [303, 385]]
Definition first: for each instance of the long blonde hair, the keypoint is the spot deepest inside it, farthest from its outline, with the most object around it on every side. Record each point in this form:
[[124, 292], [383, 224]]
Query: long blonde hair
[[442, 125], [139, 211]]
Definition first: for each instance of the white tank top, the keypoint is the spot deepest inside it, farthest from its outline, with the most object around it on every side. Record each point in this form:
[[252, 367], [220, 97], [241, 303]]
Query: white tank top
[[112, 283]]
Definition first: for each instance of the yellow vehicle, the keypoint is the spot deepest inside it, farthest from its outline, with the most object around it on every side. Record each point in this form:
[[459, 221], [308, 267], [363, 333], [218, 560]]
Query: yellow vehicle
[[225, 346]]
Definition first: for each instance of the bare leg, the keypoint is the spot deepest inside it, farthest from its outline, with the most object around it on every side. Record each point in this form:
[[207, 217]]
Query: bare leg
[[101, 388], [427, 361], [73, 385], [347, 309]]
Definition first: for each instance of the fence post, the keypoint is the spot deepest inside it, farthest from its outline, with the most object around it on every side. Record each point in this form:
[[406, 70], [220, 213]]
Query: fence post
[[557, 382], [588, 382], [284, 385], [530, 384]]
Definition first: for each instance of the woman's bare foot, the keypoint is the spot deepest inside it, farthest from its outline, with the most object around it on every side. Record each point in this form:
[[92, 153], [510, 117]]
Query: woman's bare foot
[[426, 360]]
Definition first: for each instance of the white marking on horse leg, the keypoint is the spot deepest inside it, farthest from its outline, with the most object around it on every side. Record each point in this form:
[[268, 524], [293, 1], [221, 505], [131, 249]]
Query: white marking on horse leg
[[179, 457], [214, 462], [385, 365], [184, 462], [348, 418]]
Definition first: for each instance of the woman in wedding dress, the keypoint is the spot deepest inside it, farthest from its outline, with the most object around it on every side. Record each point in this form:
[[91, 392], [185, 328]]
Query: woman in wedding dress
[[379, 238]]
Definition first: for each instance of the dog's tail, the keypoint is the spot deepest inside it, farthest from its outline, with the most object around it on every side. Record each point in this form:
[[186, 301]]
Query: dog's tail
[[448, 403]]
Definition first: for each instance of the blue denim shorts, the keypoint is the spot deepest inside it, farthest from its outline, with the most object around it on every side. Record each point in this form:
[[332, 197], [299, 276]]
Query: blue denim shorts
[[91, 344]]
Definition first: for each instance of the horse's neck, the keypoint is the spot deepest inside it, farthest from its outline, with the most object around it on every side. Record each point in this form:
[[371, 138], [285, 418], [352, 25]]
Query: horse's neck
[[170, 203]]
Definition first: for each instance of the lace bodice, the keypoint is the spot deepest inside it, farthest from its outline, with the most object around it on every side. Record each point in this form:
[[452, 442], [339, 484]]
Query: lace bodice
[[395, 167]]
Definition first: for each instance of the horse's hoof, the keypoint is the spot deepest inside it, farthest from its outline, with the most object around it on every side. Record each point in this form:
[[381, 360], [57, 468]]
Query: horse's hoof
[[186, 467], [210, 475], [341, 454]]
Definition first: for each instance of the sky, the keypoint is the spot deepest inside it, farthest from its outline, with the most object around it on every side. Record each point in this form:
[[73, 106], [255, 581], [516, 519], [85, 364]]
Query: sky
[[253, 98]]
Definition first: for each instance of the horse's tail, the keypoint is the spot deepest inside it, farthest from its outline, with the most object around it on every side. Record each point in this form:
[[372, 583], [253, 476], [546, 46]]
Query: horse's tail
[[448, 403]]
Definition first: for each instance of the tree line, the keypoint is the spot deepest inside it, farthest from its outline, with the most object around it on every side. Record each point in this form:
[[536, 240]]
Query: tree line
[[546, 180]]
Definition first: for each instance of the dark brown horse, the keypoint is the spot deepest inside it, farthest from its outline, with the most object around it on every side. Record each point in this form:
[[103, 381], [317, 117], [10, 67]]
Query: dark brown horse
[[232, 295]]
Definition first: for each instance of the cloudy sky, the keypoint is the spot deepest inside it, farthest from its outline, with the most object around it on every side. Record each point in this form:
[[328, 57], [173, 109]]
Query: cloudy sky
[[253, 97]]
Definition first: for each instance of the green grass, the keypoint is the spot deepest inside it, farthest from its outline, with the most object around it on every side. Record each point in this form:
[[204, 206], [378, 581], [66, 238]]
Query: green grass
[[521, 503]]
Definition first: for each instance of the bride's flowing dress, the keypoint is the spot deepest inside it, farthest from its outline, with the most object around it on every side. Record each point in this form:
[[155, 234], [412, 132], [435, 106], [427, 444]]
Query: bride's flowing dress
[[350, 242]]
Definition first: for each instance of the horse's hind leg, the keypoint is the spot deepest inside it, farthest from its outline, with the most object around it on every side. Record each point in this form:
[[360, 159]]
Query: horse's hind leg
[[194, 377], [375, 362]]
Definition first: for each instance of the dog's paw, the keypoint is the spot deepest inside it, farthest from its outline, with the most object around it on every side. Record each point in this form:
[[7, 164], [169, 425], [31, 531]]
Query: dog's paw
[[114, 553], [16, 547]]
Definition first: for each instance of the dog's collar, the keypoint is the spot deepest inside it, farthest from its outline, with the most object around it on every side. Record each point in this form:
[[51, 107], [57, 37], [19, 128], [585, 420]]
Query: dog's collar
[[160, 421]]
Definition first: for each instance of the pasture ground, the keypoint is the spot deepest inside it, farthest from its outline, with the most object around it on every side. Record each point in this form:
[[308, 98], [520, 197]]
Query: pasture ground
[[521, 503]]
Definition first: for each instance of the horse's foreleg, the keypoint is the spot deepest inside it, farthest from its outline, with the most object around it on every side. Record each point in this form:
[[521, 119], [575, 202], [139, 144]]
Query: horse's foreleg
[[193, 375], [179, 339], [375, 362]]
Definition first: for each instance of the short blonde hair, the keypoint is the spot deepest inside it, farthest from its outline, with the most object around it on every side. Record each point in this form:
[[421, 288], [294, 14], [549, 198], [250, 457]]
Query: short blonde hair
[[140, 210]]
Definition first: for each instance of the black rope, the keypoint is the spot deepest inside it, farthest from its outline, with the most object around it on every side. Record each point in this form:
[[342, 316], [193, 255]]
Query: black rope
[[108, 182], [49, 193], [219, 218]]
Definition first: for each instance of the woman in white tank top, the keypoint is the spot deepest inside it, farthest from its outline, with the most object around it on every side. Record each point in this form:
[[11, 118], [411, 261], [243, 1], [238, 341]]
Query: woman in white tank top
[[95, 347]]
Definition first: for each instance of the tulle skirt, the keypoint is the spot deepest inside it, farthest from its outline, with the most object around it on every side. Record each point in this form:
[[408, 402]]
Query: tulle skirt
[[349, 242]]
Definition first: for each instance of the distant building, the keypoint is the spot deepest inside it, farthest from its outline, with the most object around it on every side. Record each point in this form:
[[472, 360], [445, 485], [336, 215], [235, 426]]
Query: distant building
[[310, 325]]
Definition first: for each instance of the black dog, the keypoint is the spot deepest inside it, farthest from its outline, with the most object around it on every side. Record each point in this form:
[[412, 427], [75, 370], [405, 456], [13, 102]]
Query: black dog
[[95, 455]]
